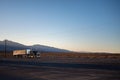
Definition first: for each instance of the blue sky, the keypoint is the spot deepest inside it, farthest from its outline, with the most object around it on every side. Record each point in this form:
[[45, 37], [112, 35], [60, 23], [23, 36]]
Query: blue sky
[[78, 25]]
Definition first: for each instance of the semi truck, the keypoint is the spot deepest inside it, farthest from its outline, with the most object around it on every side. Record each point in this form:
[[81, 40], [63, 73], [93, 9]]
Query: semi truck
[[26, 53]]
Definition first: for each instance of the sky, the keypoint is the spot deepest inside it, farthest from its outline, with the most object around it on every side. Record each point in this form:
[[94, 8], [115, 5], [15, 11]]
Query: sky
[[77, 25]]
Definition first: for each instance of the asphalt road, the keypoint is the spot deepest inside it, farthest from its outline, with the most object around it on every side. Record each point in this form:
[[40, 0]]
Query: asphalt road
[[22, 70], [65, 65]]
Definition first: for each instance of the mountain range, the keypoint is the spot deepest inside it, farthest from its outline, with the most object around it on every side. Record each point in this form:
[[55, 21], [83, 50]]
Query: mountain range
[[11, 45]]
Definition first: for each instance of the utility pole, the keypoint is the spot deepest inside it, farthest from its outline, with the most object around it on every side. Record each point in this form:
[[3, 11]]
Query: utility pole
[[5, 47]]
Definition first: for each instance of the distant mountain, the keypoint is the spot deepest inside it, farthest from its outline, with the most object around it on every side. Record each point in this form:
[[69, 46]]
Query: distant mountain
[[17, 46], [11, 45], [47, 48]]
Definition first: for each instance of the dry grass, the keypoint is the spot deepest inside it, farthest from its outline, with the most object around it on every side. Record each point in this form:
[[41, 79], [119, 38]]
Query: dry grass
[[80, 55]]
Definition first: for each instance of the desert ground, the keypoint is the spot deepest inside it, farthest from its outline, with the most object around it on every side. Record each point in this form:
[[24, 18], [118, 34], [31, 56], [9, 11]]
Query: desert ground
[[60, 69]]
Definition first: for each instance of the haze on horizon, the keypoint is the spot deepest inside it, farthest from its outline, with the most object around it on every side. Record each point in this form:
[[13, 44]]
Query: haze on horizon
[[78, 25]]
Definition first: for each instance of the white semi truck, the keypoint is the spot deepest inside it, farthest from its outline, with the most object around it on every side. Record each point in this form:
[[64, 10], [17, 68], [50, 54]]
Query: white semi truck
[[26, 53]]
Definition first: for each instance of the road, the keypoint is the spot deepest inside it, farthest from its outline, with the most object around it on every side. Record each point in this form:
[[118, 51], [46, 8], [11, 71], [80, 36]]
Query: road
[[64, 65], [14, 70]]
